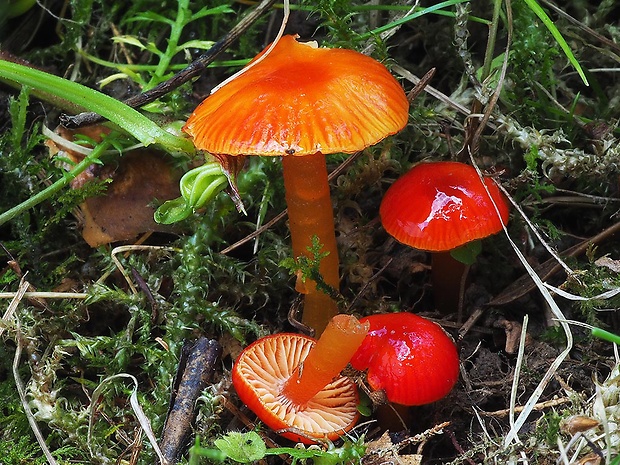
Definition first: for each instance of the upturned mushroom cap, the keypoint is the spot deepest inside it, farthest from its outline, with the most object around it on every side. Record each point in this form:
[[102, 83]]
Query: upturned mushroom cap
[[301, 100], [260, 374], [409, 357], [442, 205]]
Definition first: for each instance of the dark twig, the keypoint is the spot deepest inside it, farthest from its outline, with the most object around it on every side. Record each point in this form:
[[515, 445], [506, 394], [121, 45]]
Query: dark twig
[[605, 41], [524, 284], [421, 85], [198, 362], [192, 71]]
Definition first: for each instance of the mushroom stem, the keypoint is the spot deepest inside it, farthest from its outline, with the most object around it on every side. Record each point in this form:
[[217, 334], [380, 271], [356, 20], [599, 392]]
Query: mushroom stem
[[327, 358], [311, 214], [447, 275]]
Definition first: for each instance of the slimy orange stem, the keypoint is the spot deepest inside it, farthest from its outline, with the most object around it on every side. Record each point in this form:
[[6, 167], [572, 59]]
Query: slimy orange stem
[[311, 214], [331, 353]]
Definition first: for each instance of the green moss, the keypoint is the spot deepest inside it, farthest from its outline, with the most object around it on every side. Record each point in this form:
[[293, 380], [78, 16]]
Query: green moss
[[532, 59]]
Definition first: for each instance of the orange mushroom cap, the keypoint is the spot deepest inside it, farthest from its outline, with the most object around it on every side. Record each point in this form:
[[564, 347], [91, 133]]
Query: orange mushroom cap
[[259, 376], [301, 100], [442, 205]]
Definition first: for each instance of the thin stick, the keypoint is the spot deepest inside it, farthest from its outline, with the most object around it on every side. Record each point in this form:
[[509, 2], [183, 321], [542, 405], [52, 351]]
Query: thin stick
[[193, 70], [431, 90], [46, 295], [17, 298], [19, 384], [286, 14], [519, 408], [517, 373], [131, 248], [601, 38], [524, 284]]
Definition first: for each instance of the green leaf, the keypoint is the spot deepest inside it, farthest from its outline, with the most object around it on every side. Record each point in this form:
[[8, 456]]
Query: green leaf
[[18, 111], [151, 16], [128, 119], [467, 253], [201, 184], [15, 8], [173, 211], [242, 447], [200, 44], [129, 40], [211, 11]]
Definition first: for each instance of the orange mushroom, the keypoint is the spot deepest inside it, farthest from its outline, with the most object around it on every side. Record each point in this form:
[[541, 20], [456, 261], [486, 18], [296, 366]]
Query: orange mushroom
[[301, 102], [292, 383]]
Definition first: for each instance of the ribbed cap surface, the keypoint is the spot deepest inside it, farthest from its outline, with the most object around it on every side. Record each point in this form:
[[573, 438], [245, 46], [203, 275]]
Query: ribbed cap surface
[[259, 375], [301, 100]]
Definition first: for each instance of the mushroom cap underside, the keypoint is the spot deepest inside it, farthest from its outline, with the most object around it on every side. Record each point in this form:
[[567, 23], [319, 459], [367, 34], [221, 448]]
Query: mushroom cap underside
[[259, 375], [439, 206], [301, 100]]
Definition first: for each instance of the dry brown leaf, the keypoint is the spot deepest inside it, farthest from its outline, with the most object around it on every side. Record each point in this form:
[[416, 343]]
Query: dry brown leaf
[[126, 209], [613, 265], [383, 452]]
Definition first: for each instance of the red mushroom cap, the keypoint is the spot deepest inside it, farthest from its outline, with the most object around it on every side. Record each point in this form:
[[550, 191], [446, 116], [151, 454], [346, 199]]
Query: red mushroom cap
[[301, 100], [259, 376], [442, 205], [409, 357]]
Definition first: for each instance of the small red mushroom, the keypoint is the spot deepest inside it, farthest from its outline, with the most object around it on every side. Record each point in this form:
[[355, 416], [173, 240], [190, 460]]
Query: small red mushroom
[[409, 357], [292, 382], [439, 207]]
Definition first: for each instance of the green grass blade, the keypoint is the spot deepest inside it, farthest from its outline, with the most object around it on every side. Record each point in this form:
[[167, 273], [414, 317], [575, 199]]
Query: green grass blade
[[417, 14], [605, 335], [128, 119], [537, 9]]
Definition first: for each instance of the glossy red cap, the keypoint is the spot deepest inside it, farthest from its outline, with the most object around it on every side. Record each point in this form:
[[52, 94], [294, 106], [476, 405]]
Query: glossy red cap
[[409, 357], [300, 100], [259, 375], [442, 205]]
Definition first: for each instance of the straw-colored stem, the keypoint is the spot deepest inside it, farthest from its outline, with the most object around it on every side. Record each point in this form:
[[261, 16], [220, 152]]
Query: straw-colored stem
[[310, 214], [331, 353]]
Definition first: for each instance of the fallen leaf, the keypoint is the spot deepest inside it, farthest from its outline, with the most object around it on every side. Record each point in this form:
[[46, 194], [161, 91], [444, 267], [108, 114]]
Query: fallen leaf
[[138, 179], [613, 265]]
